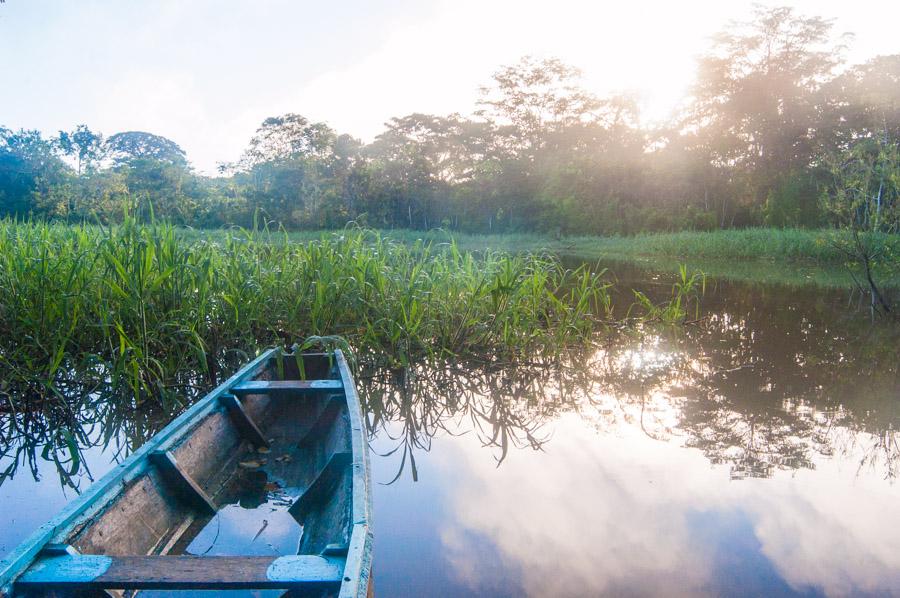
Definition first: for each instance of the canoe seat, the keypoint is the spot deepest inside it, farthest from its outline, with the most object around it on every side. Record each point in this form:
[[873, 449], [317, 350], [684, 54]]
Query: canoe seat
[[288, 388], [75, 572]]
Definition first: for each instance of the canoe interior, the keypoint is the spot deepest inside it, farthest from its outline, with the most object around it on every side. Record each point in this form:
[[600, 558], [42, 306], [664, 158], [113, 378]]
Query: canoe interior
[[291, 469]]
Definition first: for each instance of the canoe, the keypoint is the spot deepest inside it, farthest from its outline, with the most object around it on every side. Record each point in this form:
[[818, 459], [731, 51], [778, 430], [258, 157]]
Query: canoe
[[286, 420]]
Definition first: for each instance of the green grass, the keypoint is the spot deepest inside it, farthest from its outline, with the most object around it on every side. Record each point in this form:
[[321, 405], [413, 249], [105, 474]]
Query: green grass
[[157, 310], [783, 256], [117, 324]]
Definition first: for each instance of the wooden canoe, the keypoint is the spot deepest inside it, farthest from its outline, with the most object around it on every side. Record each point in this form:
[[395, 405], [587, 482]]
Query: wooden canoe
[[130, 530]]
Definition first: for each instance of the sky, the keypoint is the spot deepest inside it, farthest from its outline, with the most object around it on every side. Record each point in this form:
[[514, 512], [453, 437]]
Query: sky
[[206, 73]]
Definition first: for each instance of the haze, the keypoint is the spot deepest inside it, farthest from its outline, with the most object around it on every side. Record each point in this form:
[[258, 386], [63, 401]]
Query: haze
[[206, 73]]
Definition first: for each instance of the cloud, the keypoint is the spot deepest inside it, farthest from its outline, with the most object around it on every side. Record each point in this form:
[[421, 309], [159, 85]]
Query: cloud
[[603, 514]]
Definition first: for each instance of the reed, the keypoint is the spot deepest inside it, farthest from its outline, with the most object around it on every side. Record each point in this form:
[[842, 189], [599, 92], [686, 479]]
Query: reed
[[162, 314]]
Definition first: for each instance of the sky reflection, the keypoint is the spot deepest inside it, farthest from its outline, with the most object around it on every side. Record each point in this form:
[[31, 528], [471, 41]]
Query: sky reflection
[[625, 514], [754, 454]]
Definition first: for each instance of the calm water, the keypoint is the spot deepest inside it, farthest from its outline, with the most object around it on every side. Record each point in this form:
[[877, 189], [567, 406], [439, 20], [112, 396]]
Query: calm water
[[754, 453]]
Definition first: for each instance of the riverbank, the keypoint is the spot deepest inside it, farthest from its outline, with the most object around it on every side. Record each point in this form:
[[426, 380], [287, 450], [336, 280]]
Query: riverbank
[[782, 256], [791, 257]]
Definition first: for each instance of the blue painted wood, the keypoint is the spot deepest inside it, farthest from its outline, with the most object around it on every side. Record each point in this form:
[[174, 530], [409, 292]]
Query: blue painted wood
[[352, 574], [102, 492], [357, 580], [334, 405], [305, 568], [53, 571], [80, 572], [284, 387], [324, 481], [358, 571]]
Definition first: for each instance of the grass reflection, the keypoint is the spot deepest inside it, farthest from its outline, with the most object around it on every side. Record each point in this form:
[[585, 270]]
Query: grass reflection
[[758, 386]]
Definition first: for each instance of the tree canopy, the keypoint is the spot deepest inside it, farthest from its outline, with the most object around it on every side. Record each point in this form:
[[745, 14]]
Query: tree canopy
[[778, 130]]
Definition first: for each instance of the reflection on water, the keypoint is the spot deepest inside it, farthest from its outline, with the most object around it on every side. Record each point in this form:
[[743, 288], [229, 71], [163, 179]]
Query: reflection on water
[[754, 453]]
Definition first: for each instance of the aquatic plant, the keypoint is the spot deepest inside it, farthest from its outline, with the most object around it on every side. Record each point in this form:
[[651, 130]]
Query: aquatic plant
[[684, 301], [160, 312]]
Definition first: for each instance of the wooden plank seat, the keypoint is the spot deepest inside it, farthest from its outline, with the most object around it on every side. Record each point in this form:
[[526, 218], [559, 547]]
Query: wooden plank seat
[[75, 572], [286, 388]]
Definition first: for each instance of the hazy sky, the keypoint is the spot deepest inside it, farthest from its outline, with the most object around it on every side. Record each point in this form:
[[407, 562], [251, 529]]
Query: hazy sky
[[205, 73]]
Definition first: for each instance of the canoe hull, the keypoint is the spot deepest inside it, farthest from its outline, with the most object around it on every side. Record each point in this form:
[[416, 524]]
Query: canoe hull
[[286, 421]]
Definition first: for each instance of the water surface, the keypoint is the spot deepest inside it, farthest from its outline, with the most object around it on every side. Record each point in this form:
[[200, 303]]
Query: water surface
[[752, 453]]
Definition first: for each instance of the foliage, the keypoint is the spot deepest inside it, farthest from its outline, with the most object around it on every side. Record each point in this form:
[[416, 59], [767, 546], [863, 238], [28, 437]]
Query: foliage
[[754, 145], [865, 197], [124, 148], [142, 305], [84, 145], [865, 189], [683, 303]]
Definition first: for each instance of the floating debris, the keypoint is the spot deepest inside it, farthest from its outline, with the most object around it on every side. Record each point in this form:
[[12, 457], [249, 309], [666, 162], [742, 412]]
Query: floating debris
[[252, 464], [261, 530]]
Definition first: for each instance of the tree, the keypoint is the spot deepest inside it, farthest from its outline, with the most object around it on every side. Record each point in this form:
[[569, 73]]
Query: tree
[[864, 197], [754, 102], [863, 102], [295, 170], [126, 147], [865, 189], [419, 159], [30, 173], [288, 136], [82, 144], [532, 97]]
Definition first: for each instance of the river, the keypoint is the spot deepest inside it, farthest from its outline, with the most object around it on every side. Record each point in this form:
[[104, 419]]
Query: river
[[753, 452]]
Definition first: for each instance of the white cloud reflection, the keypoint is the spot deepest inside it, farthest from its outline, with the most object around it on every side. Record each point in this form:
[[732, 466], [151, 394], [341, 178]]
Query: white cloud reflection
[[625, 514]]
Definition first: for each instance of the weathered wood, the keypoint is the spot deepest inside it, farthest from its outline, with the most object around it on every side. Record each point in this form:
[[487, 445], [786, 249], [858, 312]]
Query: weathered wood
[[184, 486], [205, 452], [156, 498], [74, 572], [243, 421], [145, 514], [323, 483], [287, 388], [333, 406], [98, 497], [357, 574]]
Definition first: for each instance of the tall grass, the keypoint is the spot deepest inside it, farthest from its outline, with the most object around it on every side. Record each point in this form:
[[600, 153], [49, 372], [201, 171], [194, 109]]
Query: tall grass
[[157, 311], [792, 257], [790, 244], [744, 244]]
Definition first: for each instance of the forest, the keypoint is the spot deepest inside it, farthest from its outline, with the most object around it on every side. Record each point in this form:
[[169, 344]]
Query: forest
[[778, 130]]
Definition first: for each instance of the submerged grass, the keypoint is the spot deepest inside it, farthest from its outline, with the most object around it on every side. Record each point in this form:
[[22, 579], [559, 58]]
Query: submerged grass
[[156, 311]]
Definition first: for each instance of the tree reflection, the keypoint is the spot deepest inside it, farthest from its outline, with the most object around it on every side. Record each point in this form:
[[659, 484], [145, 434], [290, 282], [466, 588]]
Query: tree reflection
[[503, 406], [59, 428], [771, 381]]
